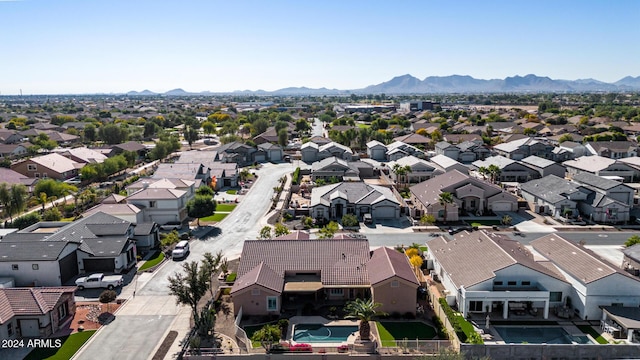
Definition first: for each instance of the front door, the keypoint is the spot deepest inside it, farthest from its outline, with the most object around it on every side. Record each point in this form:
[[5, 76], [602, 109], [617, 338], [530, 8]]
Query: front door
[[339, 210]]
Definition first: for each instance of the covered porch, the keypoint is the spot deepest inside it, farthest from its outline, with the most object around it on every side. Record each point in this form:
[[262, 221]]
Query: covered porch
[[531, 302], [621, 321]]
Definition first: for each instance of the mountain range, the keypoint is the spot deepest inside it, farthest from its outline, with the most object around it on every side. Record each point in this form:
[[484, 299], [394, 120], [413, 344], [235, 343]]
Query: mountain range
[[408, 84]]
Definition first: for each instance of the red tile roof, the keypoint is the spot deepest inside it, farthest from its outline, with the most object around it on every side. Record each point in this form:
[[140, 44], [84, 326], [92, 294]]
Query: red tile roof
[[29, 301], [387, 263]]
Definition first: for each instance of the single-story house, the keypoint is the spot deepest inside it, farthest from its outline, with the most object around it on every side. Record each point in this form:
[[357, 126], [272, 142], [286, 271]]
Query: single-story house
[[599, 165], [543, 166], [357, 198], [421, 170]]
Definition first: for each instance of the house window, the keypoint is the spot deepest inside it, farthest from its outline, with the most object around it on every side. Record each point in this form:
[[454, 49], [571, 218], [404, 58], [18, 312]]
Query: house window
[[336, 292], [255, 291], [272, 303], [497, 283], [15, 267], [35, 266], [32, 167], [10, 329], [63, 310], [511, 283], [555, 296], [395, 283], [526, 283], [37, 175], [44, 175], [475, 306], [152, 204]]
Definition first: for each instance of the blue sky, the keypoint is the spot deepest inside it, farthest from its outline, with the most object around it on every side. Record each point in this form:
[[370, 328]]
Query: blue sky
[[86, 46]]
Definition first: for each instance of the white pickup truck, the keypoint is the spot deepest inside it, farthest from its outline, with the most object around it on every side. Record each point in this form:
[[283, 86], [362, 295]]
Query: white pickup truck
[[99, 280]]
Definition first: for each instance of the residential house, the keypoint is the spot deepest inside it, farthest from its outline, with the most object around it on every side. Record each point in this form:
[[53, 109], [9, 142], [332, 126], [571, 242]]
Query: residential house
[[132, 146], [11, 177], [595, 281], [124, 211], [421, 170], [460, 138], [357, 198], [146, 236], [416, 140], [376, 150], [236, 152], [225, 174], [35, 312], [600, 166], [342, 170], [611, 188], [196, 172], [397, 150], [83, 155], [160, 205], [273, 151], [312, 152], [471, 151], [544, 167], [446, 164], [274, 275], [488, 273], [187, 186], [393, 281], [470, 195], [271, 135], [53, 253], [54, 166], [612, 149], [631, 259], [12, 151], [563, 198], [448, 150], [10, 136], [510, 170], [519, 149], [634, 163]]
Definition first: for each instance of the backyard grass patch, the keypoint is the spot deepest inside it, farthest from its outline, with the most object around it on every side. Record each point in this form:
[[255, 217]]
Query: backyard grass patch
[[363, 126], [250, 329], [587, 329], [153, 261], [486, 222], [232, 192], [70, 345], [390, 332], [215, 217], [226, 207], [231, 277], [424, 249]]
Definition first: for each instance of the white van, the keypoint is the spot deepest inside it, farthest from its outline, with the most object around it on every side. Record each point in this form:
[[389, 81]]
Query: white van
[[181, 250]]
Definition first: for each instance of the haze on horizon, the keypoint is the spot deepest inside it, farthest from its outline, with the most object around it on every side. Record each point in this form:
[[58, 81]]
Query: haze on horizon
[[74, 46]]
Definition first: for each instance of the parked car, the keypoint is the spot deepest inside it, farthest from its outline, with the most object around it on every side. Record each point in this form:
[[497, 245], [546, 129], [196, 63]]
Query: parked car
[[99, 280], [171, 225], [181, 250]]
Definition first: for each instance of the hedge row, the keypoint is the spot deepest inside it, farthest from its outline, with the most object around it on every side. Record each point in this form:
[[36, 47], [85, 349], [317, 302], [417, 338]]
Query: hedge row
[[462, 327], [296, 176]]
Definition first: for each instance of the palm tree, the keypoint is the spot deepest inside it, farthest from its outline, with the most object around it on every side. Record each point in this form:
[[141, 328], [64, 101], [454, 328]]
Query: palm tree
[[401, 172], [483, 171], [444, 199], [494, 170], [365, 311]]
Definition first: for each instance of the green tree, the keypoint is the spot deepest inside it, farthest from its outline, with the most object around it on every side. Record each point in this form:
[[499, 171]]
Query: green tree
[[444, 199], [329, 230], [401, 173], [90, 132], [259, 126], [210, 264], [17, 200], [283, 137], [265, 233], [201, 206], [150, 129], [189, 287], [565, 137], [349, 220], [208, 127], [190, 135], [427, 219], [530, 132], [107, 297], [302, 125], [281, 229], [52, 214], [635, 239], [364, 311], [112, 134], [267, 335], [506, 220], [494, 171]]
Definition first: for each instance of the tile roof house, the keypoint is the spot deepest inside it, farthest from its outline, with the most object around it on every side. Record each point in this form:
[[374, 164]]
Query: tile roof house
[[132, 146], [197, 172], [226, 174], [631, 259], [595, 281], [519, 149], [276, 274], [330, 167], [599, 165], [486, 272], [414, 139], [543, 166], [421, 170], [398, 149], [52, 253], [84, 155], [612, 149], [446, 164], [54, 166], [10, 136], [510, 170], [470, 195], [12, 151], [11, 177], [357, 198], [35, 312], [376, 150], [160, 205]]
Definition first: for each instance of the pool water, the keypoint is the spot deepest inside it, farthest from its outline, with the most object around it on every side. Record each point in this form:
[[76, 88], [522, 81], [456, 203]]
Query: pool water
[[539, 335], [318, 333]]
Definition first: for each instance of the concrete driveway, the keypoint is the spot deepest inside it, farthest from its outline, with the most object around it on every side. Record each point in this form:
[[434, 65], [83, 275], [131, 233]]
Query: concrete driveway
[[527, 223]]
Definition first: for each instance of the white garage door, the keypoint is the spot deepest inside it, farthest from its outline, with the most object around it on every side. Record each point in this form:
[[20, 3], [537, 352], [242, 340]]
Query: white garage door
[[384, 212], [501, 206]]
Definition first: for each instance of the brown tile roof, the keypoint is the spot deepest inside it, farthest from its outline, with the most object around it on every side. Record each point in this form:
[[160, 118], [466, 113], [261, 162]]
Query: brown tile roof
[[29, 301], [340, 262], [413, 139], [296, 235], [581, 263], [471, 258], [386, 263], [261, 275]]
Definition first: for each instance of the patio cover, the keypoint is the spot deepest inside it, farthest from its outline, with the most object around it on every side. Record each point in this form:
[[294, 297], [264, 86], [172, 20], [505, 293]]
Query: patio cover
[[302, 286], [627, 317]]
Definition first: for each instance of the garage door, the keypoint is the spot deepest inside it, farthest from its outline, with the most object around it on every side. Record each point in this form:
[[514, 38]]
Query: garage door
[[384, 212], [501, 206], [29, 328], [68, 267], [99, 265]]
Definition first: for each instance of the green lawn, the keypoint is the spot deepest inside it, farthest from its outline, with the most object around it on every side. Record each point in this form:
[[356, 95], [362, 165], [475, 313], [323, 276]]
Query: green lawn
[[232, 192], [363, 126], [594, 334], [214, 217], [153, 261], [250, 329], [226, 207], [70, 345], [424, 249], [486, 222], [395, 331]]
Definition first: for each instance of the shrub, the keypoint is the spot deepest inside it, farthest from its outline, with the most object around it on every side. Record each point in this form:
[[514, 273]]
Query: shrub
[[24, 221], [52, 214], [349, 220], [462, 327], [231, 277], [295, 179], [442, 332]]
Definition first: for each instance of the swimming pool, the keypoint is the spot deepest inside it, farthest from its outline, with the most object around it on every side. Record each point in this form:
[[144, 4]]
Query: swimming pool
[[318, 333], [538, 335]]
